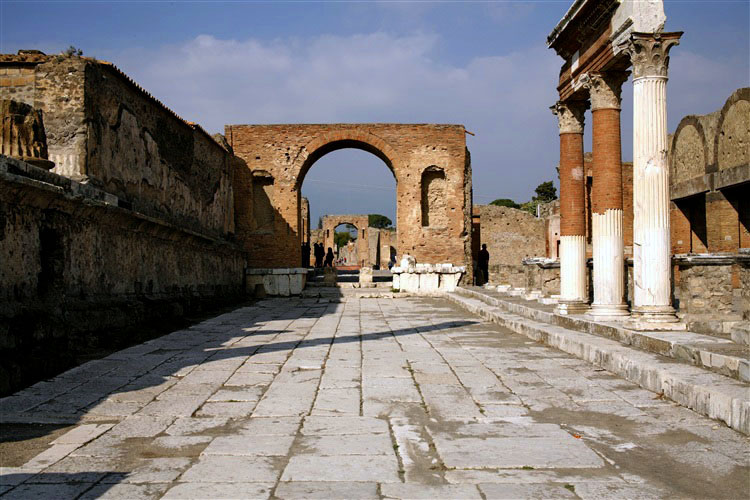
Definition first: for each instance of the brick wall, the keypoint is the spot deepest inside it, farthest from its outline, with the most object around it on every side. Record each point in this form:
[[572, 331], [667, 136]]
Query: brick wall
[[287, 152]]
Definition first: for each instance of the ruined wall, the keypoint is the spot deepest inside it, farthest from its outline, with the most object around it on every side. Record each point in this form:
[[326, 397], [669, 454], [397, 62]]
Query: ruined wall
[[316, 236], [77, 268], [104, 128], [287, 152], [709, 162], [305, 219], [511, 235]]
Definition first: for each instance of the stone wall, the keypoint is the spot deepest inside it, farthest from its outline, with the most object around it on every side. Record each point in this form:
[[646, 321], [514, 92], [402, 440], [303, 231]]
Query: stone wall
[[511, 235], [433, 157], [709, 160], [102, 127], [78, 269]]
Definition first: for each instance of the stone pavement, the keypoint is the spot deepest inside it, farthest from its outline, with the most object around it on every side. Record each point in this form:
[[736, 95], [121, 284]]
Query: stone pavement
[[363, 398]]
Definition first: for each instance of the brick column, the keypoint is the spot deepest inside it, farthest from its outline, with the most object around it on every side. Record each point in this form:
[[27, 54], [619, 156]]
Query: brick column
[[606, 197], [573, 298], [652, 297]]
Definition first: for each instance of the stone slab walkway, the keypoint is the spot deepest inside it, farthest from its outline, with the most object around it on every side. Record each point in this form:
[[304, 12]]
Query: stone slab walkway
[[364, 398]]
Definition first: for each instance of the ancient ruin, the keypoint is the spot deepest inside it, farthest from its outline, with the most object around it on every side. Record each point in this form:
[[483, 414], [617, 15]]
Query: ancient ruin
[[608, 316]]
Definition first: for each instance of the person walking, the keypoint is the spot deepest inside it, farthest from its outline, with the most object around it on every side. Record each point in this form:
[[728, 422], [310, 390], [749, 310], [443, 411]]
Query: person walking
[[484, 264], [329, 257]]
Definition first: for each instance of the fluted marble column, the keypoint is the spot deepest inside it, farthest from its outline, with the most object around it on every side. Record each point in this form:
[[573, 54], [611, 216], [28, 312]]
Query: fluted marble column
[[606, 197], [573, 299], [652, 300]]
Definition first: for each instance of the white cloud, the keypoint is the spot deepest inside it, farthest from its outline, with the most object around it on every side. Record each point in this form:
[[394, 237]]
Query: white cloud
[[373, 77], [379, 77]]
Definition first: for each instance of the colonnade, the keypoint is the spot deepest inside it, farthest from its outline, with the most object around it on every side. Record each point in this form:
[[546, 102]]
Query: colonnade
[[651, 307]]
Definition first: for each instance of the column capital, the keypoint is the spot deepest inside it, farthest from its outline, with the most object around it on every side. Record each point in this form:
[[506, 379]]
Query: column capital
[[649, 52], [570, 115], [605, 89]]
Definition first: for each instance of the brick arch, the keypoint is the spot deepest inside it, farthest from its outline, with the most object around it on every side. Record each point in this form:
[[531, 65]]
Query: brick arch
[[733, 131], [288, 151], [361, 222], [689, 155], [344, 139]]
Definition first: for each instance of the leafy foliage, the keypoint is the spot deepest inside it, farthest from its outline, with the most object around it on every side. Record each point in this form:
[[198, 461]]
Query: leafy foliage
[[505, 202], [342, 238], [545, 192], [379, 221]]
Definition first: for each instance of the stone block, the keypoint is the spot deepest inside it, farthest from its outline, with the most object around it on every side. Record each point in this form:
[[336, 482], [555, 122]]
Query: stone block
[[282, 282], [270, 284], [297, 283], [365, 276], [429, 282]]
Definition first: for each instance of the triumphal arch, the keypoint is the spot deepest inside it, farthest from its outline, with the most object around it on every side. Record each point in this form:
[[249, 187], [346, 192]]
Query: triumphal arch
[[430, 163]]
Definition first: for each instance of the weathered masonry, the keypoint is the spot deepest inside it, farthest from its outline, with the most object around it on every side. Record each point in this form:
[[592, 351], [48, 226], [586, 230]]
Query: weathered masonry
[[430, 163], [330, 222], [133, 223], [599, 41]]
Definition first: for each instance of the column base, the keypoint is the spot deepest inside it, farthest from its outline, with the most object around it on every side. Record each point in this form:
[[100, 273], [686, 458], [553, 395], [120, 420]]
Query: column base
[[609, 312], [655, 318], [568, 307]]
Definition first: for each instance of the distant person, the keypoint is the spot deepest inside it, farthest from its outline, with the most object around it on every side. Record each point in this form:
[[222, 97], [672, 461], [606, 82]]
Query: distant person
[[484, 265], [306, 254], [319, 253], [329, 257]]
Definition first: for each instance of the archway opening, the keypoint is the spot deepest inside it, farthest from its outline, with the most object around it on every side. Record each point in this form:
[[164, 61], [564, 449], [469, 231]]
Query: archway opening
[[347, 178]]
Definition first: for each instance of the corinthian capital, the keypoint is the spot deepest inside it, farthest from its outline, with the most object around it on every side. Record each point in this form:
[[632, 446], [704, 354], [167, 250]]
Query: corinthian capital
[[570, 115], [649, 52], [604, 88]]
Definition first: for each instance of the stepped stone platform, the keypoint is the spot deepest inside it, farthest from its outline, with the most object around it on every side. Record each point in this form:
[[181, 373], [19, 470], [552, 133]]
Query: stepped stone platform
[[704, 373]]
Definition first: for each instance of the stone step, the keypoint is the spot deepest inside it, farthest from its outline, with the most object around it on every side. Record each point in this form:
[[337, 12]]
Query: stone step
[[379, 284], [707, 393], [712, 353]]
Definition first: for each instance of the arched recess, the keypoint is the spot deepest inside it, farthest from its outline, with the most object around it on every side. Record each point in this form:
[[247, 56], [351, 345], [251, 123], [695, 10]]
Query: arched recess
[[327, 143], [433, 190]]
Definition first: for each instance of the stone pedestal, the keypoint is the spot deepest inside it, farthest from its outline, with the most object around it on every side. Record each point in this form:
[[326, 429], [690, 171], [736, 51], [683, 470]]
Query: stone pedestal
[[365, 276], [427, 279], [281, 282], [652, 301]]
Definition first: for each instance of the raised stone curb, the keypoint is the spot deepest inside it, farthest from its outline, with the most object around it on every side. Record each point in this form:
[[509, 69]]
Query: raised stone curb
[[707, 393], [691, 347]]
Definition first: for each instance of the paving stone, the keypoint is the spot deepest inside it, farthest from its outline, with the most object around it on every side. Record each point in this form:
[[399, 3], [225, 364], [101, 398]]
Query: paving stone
[[429, 492], [250, 445], [125, 491], [50, 456], [515, 452], [337, 402], [301, 490], [83, 434], [349, 444], [380, 468], [156, 470], [219, 491], [245, 379], [617, 490], [232, 469], [142, 425], [179, 442], [64, 488], [527, 491], [244, 394], [335, 426], [195, 425], [233, 409], [270, 426]]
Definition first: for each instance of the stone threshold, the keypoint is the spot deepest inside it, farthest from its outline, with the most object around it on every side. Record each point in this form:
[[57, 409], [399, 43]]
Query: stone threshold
[[710, 394], [717, 354]]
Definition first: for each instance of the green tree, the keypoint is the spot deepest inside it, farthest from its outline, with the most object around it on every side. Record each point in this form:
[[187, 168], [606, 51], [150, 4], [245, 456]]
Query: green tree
[[505, 202], [379, 221], [342, 238], [545, 192]]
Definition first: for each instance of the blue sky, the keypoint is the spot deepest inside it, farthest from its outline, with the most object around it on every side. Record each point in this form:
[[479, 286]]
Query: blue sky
[[481, 64]]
